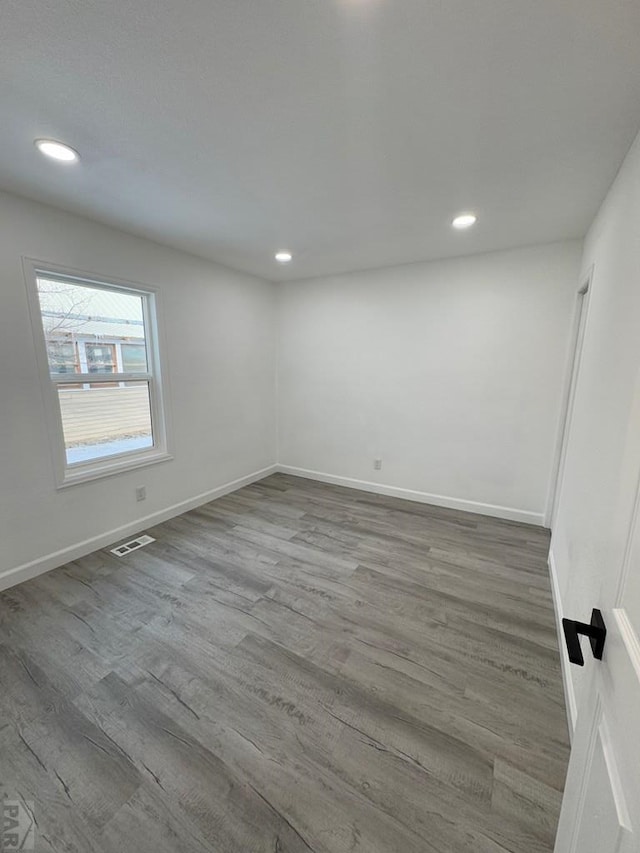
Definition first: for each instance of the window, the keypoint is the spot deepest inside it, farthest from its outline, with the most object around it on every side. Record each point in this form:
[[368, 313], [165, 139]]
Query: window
[[134, 357], [101, 373], [101, 358], [62, 357]]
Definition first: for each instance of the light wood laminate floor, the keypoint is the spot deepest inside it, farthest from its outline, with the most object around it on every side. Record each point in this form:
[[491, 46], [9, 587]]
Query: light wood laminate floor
[[294, 667]]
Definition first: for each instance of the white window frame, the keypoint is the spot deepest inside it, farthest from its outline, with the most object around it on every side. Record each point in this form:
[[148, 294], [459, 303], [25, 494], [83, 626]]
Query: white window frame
[[66, 474]]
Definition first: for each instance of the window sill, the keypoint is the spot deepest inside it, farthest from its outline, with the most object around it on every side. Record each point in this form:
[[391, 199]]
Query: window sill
[[108, 469]]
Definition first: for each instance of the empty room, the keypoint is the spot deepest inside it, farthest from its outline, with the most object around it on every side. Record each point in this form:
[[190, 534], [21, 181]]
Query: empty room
[[320, 421]]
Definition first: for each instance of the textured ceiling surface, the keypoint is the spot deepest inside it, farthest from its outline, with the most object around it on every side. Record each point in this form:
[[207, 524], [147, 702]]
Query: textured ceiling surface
[[348, 131]]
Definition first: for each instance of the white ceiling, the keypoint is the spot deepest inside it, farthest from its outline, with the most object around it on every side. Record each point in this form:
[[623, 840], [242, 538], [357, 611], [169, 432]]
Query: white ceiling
[[348, 131]]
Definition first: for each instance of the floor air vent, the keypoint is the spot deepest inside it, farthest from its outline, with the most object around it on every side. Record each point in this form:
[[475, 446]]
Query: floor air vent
[[140, 542]]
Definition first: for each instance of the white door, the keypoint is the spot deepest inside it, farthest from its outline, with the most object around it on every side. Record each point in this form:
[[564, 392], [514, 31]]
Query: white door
[[601, 806]]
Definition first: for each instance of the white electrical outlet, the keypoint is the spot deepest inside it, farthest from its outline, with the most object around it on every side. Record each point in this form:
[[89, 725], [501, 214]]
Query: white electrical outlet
[[141, 493], [377, 464]]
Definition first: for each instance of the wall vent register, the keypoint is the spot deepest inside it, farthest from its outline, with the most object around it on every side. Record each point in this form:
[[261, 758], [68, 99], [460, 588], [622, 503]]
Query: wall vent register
[[133, 545]]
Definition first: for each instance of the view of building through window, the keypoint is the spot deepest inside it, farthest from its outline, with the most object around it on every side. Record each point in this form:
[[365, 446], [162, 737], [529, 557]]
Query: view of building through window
[[97, 353]]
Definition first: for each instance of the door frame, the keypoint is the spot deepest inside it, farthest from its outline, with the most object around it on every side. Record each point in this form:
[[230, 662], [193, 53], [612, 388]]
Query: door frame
[[572, 372]]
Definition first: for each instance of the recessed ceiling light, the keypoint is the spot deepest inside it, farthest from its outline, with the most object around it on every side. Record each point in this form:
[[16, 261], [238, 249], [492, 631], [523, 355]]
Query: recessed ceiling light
[[283, 257], [464, 220], [57, 150]]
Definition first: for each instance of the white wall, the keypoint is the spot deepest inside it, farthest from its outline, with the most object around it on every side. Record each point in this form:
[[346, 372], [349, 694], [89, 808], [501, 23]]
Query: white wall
[[451, 372], [220, 360], [602, 462]]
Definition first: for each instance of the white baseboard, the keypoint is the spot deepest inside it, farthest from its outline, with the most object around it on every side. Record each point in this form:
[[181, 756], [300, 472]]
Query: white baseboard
[[81, 549], [509, 513], [567, 681], [25, 572]]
